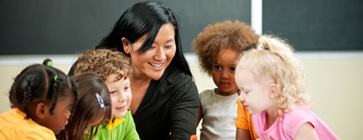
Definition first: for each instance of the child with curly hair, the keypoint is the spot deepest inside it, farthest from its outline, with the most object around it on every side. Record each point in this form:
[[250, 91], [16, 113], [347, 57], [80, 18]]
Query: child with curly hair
[[42, 99], [217, 48], [115, 69], [270, 82]]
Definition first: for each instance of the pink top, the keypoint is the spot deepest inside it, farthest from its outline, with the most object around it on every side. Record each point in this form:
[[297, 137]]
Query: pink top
[[291, 122]]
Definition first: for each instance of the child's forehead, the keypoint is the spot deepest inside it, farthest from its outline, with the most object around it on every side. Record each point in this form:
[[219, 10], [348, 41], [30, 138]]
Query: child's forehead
[[226, 54]]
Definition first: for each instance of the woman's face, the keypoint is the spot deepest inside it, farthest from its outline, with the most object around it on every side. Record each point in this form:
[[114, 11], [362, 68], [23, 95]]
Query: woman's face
[[154, 61]]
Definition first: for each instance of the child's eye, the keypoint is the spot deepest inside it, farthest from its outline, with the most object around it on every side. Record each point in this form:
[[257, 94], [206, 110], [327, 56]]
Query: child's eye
[[217, 67], [112, 92], [126, 88], [238, 92], [232, 69]]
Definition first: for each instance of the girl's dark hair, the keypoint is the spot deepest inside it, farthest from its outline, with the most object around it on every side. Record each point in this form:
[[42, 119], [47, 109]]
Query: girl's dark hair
[[88, 107], [142, 18], [234, 35], [40, 83]]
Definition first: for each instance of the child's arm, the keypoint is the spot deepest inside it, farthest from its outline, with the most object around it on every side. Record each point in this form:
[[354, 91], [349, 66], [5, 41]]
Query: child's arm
[[200, 115], [306, 132], [130, 132], [242, 134], [244, 124]]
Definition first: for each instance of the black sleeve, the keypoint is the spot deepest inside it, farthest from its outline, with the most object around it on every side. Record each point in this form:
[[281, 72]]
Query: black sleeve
[[184, 113]]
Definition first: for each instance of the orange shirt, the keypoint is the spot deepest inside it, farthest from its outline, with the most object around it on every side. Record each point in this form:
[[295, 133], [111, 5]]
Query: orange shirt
[[244, 120], [13, 126]]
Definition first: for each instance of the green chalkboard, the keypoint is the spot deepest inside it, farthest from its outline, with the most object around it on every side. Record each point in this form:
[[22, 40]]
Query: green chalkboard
[[70, 26], [316, 25]]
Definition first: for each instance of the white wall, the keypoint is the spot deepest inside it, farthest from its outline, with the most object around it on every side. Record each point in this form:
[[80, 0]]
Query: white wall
[[335, 81]]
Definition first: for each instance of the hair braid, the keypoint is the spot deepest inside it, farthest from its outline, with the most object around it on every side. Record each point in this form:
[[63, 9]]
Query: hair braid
[[26, 100], [55, 93]]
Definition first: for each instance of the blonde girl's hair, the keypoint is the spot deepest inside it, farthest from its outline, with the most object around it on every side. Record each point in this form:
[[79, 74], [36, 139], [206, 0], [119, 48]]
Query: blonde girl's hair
[[273, 57]]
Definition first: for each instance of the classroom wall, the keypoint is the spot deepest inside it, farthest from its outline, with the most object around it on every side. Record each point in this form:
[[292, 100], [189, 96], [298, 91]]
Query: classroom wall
[[335, 84]]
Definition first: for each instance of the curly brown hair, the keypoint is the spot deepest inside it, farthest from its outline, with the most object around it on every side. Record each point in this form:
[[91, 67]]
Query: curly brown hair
[[104, 62], [235, 35]]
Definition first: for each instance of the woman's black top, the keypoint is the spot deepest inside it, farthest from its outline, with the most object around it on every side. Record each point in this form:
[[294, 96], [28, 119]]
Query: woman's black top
[[169, 108]]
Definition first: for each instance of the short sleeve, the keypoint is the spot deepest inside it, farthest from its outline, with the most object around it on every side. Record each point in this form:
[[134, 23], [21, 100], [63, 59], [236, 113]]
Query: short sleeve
[[243, 117], [295, 119]]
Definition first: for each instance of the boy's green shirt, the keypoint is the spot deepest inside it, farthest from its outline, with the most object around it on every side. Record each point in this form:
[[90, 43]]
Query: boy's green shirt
[[123, 129]]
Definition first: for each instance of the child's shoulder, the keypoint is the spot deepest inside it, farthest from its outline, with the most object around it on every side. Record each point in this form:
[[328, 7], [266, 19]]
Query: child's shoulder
[[14, 126], [298, 112], [207, 93], [299, 116]]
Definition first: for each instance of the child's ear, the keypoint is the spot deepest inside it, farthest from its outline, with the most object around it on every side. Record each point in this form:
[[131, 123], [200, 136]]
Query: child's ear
[[40, 110], [126, 45], [272, 90]]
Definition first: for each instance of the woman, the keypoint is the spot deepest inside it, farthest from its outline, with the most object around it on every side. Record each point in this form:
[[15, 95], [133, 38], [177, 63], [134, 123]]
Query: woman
[[165, 99]]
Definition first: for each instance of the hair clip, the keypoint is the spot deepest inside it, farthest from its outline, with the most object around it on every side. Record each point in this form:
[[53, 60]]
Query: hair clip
[[253, 45], [50, 63], [260, 47], [100, 100], [55, 77]]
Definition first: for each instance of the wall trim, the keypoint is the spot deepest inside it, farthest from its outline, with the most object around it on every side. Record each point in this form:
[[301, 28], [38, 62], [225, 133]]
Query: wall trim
[[67, 59]]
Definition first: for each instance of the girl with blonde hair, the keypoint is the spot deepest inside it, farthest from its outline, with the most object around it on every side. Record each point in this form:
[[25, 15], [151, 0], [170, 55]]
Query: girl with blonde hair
[[271, 87]]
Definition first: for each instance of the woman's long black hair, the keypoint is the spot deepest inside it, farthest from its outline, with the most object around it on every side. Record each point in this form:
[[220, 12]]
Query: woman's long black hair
[[142, 18]]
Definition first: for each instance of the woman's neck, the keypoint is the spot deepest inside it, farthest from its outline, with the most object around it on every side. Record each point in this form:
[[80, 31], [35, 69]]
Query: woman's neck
[[139, 85], [138, 76]]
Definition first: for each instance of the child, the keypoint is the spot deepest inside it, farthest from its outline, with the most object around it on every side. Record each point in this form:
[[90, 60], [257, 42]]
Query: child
[[93, 107], [217, 48], [270, 80], [114, 68], [42, 99]]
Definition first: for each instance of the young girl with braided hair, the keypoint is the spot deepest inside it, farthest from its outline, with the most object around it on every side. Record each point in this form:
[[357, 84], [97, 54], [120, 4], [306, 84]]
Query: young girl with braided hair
[[42, 99], [271, 87]]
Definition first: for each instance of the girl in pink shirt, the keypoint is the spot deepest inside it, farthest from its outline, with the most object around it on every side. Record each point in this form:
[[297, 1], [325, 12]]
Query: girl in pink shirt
[[271, 87]]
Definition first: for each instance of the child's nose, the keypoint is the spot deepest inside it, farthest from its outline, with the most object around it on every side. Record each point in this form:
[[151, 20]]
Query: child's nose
[[241, 97], [224, 74], [122, 97]]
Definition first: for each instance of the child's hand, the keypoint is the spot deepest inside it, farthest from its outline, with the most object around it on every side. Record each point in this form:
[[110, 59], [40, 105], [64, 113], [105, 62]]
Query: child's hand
[[193, 137]]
